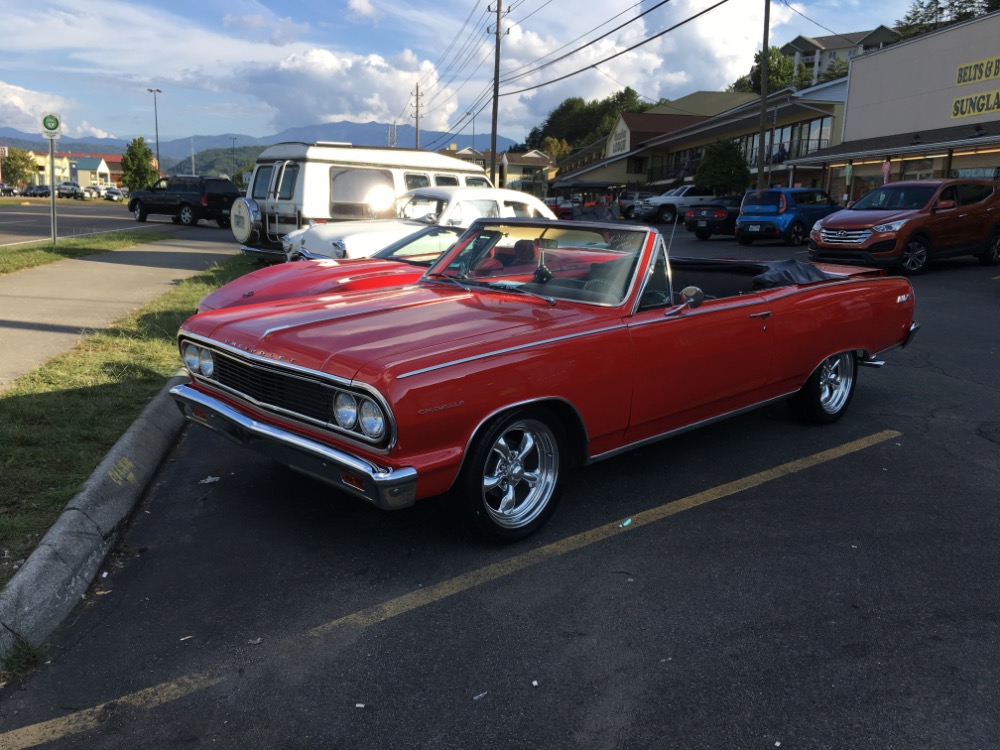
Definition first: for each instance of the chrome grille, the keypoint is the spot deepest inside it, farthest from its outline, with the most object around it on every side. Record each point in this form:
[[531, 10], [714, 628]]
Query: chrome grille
[[274, 387], [844, 236]]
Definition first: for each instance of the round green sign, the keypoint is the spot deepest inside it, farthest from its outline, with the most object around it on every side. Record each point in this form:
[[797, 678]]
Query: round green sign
[[50, 122]]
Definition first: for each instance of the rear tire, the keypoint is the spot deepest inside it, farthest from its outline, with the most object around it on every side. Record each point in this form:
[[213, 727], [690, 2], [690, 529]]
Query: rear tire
[[509, 484], [796, 235], [187, 215], [991, 255], [828, 391]]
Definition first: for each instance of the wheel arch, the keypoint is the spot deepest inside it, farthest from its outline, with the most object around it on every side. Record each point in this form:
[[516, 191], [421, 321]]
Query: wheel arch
[[567, 416]]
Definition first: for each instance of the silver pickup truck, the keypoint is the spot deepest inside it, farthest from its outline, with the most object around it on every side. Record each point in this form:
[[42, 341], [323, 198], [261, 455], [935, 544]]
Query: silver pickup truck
[[673, 203]]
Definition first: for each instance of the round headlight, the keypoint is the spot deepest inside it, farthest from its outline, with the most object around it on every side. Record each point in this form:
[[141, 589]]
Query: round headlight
[[372, 420], [345, 410], [189, 353], [206, 363]]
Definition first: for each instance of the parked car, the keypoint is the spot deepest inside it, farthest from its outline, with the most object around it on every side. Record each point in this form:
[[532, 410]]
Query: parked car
[[69, 190], [907, 225], [666, 208], [447, 206], [37, 191], [9, 190], [529, 347], [187, 199], [114, 194], [628, 202], [784, 214], [717, 217], [401, 263], [561, 207]]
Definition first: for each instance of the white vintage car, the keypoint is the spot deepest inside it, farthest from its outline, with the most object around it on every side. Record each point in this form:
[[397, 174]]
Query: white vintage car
[[447, 206]]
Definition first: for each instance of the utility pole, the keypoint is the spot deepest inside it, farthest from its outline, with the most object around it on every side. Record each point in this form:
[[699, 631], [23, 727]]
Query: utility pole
[[233, 139], [156, 123], [496, 95], [417, 94], [765, 59]]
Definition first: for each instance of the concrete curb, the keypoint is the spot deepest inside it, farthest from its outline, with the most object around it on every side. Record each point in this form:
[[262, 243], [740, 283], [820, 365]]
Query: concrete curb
[[57, 574]]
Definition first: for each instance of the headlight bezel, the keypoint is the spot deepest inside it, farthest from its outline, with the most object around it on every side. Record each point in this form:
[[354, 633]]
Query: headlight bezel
[[889, 227]]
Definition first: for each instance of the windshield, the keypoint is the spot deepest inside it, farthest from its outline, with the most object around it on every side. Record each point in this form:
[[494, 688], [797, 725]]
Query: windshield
[[421, 248], [583, 263], [890, 198]]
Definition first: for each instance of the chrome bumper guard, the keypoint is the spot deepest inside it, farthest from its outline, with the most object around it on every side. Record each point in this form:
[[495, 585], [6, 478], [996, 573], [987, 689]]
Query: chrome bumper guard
[[387, 489], [266, 254]]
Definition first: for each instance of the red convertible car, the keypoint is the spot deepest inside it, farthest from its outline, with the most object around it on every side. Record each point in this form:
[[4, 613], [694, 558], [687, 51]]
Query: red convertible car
[[529, 347]]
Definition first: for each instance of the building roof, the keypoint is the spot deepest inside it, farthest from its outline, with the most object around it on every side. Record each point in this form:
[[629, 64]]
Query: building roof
[[877, 36], [644, 125]]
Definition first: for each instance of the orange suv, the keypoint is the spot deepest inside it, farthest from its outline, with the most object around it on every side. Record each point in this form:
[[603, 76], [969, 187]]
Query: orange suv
[[909, 224]]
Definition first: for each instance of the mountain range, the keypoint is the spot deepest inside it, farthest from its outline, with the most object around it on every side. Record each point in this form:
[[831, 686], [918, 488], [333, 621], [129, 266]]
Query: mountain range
[[359, 134]]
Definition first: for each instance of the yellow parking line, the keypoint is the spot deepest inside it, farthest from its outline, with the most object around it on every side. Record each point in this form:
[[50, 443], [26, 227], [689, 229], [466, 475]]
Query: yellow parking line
[[54, 729]]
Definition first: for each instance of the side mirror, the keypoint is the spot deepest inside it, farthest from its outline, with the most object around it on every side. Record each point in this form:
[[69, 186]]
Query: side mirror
[[944, 205], [692, 296]]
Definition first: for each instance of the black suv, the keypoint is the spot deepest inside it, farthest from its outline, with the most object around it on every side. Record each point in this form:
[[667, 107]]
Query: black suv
[[186, 198]]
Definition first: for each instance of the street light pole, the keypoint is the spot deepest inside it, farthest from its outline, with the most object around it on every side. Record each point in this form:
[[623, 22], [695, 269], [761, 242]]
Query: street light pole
[[156, 122], [233, 139]]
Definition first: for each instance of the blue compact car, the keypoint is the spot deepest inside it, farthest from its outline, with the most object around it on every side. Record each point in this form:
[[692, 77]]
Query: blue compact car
[[785, 214]]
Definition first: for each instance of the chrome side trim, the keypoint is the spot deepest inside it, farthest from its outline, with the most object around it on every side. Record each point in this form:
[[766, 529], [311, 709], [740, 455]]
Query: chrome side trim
[[384, 488], [508, 350], [685, 428]]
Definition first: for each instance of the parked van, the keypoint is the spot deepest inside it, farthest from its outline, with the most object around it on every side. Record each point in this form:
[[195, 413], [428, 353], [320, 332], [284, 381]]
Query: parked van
[[299, 184]]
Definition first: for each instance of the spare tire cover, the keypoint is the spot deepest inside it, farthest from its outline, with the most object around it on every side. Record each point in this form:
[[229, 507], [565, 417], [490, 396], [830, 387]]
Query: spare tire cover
[[244, 216]]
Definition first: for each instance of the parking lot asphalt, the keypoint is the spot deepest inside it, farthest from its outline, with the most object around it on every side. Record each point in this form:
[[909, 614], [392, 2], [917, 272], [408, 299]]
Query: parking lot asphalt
[[45, 312]]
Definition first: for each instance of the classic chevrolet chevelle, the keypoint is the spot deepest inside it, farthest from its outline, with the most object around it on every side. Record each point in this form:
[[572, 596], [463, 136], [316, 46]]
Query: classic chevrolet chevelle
[[529, 347]]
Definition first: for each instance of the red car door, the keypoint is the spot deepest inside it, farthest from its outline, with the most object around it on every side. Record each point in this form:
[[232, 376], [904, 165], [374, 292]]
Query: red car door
[[698, 363]]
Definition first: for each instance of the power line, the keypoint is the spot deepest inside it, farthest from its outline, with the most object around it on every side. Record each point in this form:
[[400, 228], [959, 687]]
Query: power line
[[619, 54], [834, 33]]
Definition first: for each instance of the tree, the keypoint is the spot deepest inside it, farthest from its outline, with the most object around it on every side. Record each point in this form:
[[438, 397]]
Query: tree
[[580, 123], [837, 68], [929, 15], [19, 167], [781, 73], [137, 165], [556, 149], [723, 169]]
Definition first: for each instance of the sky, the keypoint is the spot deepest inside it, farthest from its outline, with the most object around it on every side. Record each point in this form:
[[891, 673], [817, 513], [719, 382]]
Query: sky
[[260, 66]]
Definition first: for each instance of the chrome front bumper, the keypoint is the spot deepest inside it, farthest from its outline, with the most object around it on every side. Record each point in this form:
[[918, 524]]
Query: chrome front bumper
[[388, 489]]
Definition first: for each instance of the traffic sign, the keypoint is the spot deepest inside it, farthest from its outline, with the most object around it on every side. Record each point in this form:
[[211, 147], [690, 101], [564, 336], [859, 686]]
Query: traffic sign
[[52, 125]]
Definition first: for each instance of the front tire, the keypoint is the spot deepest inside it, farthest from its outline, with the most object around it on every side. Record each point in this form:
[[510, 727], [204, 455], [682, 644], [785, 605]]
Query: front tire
[[139, 211], [509, 484], [630, 212], [916, 256], [828, 391], [991, 255]]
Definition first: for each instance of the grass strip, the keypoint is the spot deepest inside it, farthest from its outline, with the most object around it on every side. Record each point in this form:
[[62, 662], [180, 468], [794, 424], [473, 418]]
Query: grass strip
[[20, 257], [58, 422]]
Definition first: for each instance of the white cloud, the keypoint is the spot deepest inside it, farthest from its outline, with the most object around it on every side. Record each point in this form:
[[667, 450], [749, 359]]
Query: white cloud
[[23, 109], [363, 9]]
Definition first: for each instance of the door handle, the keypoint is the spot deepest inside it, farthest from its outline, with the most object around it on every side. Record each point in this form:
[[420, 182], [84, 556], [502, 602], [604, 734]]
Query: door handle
[[764, 315]]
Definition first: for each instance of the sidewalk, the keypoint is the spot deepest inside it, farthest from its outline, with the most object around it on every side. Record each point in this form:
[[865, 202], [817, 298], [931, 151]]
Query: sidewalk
[[44, 312]]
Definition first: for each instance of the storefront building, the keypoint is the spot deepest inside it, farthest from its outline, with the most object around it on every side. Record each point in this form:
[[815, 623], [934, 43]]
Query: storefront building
[[925, 108]]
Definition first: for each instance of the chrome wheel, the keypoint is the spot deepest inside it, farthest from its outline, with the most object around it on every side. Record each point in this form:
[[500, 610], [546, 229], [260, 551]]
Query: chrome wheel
[[827, 393], [520, 474], [836, 382], [991, 255], [916, 256]]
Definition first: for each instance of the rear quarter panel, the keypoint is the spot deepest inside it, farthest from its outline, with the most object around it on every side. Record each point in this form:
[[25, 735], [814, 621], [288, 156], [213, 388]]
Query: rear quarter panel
[[814, 322]]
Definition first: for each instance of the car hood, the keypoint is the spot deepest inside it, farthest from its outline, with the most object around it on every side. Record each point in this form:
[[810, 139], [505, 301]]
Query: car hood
[[359, 238], [853, 219], [310, 278], [389, 331]]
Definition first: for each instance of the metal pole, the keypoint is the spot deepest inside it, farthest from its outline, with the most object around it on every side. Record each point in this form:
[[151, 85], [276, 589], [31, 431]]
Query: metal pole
[[233, 139], [496, 96], [52, 184], [156, 123], [764, 64], [473, 113], [418, 115]]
